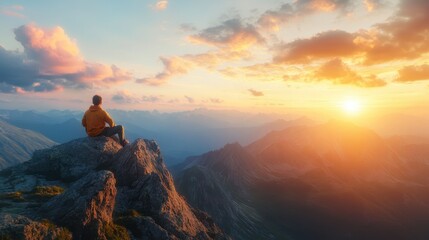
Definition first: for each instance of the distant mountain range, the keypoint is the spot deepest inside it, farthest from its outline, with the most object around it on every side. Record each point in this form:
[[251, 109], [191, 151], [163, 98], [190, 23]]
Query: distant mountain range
[[327, 181], [17, 145], [180, 134]]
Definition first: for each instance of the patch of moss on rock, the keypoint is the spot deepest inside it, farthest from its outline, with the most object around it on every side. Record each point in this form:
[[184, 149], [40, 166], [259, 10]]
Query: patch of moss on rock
[[115, 232], [14, 196], [47, 191]]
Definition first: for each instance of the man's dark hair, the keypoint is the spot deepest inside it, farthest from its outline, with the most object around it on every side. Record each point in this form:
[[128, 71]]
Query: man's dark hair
[[96, 100]]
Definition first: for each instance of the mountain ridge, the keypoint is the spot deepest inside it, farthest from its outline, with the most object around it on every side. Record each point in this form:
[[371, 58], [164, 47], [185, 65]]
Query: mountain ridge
[[17, 144], [335, 180]]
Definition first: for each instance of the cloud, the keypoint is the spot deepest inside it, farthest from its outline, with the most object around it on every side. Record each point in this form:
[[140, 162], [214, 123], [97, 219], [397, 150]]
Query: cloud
[[12, 11], [125, 97], [187, 27], [161, 5], [413, 73], [51, 49], [272, 20], [151, 98], [404, 36], [173, 66], [323, 45], [232, 34], [232, 40], [190, 99], [371, 5], [338, 72], [51, 61], [261, 72], [216, 100], [255, 93], [323, 5], [180, 65]]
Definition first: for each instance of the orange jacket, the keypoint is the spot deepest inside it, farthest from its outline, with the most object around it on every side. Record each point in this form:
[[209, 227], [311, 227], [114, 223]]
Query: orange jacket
[[94, 120]]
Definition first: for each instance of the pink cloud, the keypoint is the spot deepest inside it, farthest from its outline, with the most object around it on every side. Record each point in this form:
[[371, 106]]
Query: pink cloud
[[52, 49], [52, 61], [161, 5], [12, 11]]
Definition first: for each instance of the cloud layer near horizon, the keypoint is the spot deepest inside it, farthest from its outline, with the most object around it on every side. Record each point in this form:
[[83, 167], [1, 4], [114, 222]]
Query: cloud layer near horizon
[[51, 61]]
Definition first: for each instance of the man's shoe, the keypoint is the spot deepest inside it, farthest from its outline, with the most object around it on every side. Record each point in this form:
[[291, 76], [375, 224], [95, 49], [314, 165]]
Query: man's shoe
[[125, 142]]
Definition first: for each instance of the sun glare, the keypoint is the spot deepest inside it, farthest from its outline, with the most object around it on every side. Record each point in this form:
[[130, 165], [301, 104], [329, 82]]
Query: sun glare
[[352, 107]]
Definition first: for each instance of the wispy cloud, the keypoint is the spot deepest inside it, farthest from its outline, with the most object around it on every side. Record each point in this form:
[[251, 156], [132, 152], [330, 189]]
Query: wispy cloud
[[173, 66], [13, 11], [255, 93], [190, 99], [126, 97], [272, 20], [216, 100], [232, 33]]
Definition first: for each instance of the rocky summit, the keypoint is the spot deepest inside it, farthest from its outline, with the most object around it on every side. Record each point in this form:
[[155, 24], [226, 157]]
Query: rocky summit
[[92, 188]]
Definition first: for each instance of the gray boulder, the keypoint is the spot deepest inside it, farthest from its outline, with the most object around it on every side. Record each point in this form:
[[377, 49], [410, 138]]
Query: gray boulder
[[73, 160]]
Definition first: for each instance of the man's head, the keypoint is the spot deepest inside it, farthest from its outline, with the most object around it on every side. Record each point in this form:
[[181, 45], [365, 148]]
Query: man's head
[[97, 100]]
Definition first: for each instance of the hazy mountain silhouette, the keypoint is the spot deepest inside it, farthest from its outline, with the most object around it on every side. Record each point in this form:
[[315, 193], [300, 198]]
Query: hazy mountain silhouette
[[328, 181], [60, 126], [194, 132], [216, 182], [17, 145]]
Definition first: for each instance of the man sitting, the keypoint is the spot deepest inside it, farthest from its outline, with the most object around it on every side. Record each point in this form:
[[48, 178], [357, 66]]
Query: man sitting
[[95, 118]]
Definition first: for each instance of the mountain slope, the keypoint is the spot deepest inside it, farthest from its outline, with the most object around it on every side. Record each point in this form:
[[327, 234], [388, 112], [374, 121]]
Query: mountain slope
[[328, 181], [217, 182], [17, 145]]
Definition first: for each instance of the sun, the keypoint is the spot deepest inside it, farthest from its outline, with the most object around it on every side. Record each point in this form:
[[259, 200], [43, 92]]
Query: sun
[[352, 107]]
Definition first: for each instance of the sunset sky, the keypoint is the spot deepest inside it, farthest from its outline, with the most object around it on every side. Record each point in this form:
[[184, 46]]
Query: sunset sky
[[249, 55]]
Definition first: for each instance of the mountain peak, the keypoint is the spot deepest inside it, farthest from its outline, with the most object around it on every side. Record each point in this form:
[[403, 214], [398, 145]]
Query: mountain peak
[[106, 187]]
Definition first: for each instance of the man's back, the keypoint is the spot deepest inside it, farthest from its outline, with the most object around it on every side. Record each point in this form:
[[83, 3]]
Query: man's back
[[94, 120]]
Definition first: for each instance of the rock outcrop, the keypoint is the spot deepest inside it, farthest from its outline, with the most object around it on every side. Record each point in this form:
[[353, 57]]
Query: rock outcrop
[[110, 192], [87, 205], [19, 227]]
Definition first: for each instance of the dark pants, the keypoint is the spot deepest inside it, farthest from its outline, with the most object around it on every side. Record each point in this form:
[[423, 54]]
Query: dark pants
[[110, 131]]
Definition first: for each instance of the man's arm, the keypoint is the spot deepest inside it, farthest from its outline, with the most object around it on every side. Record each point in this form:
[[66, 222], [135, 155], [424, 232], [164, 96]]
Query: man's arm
[[108, 119], [84, 120]]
